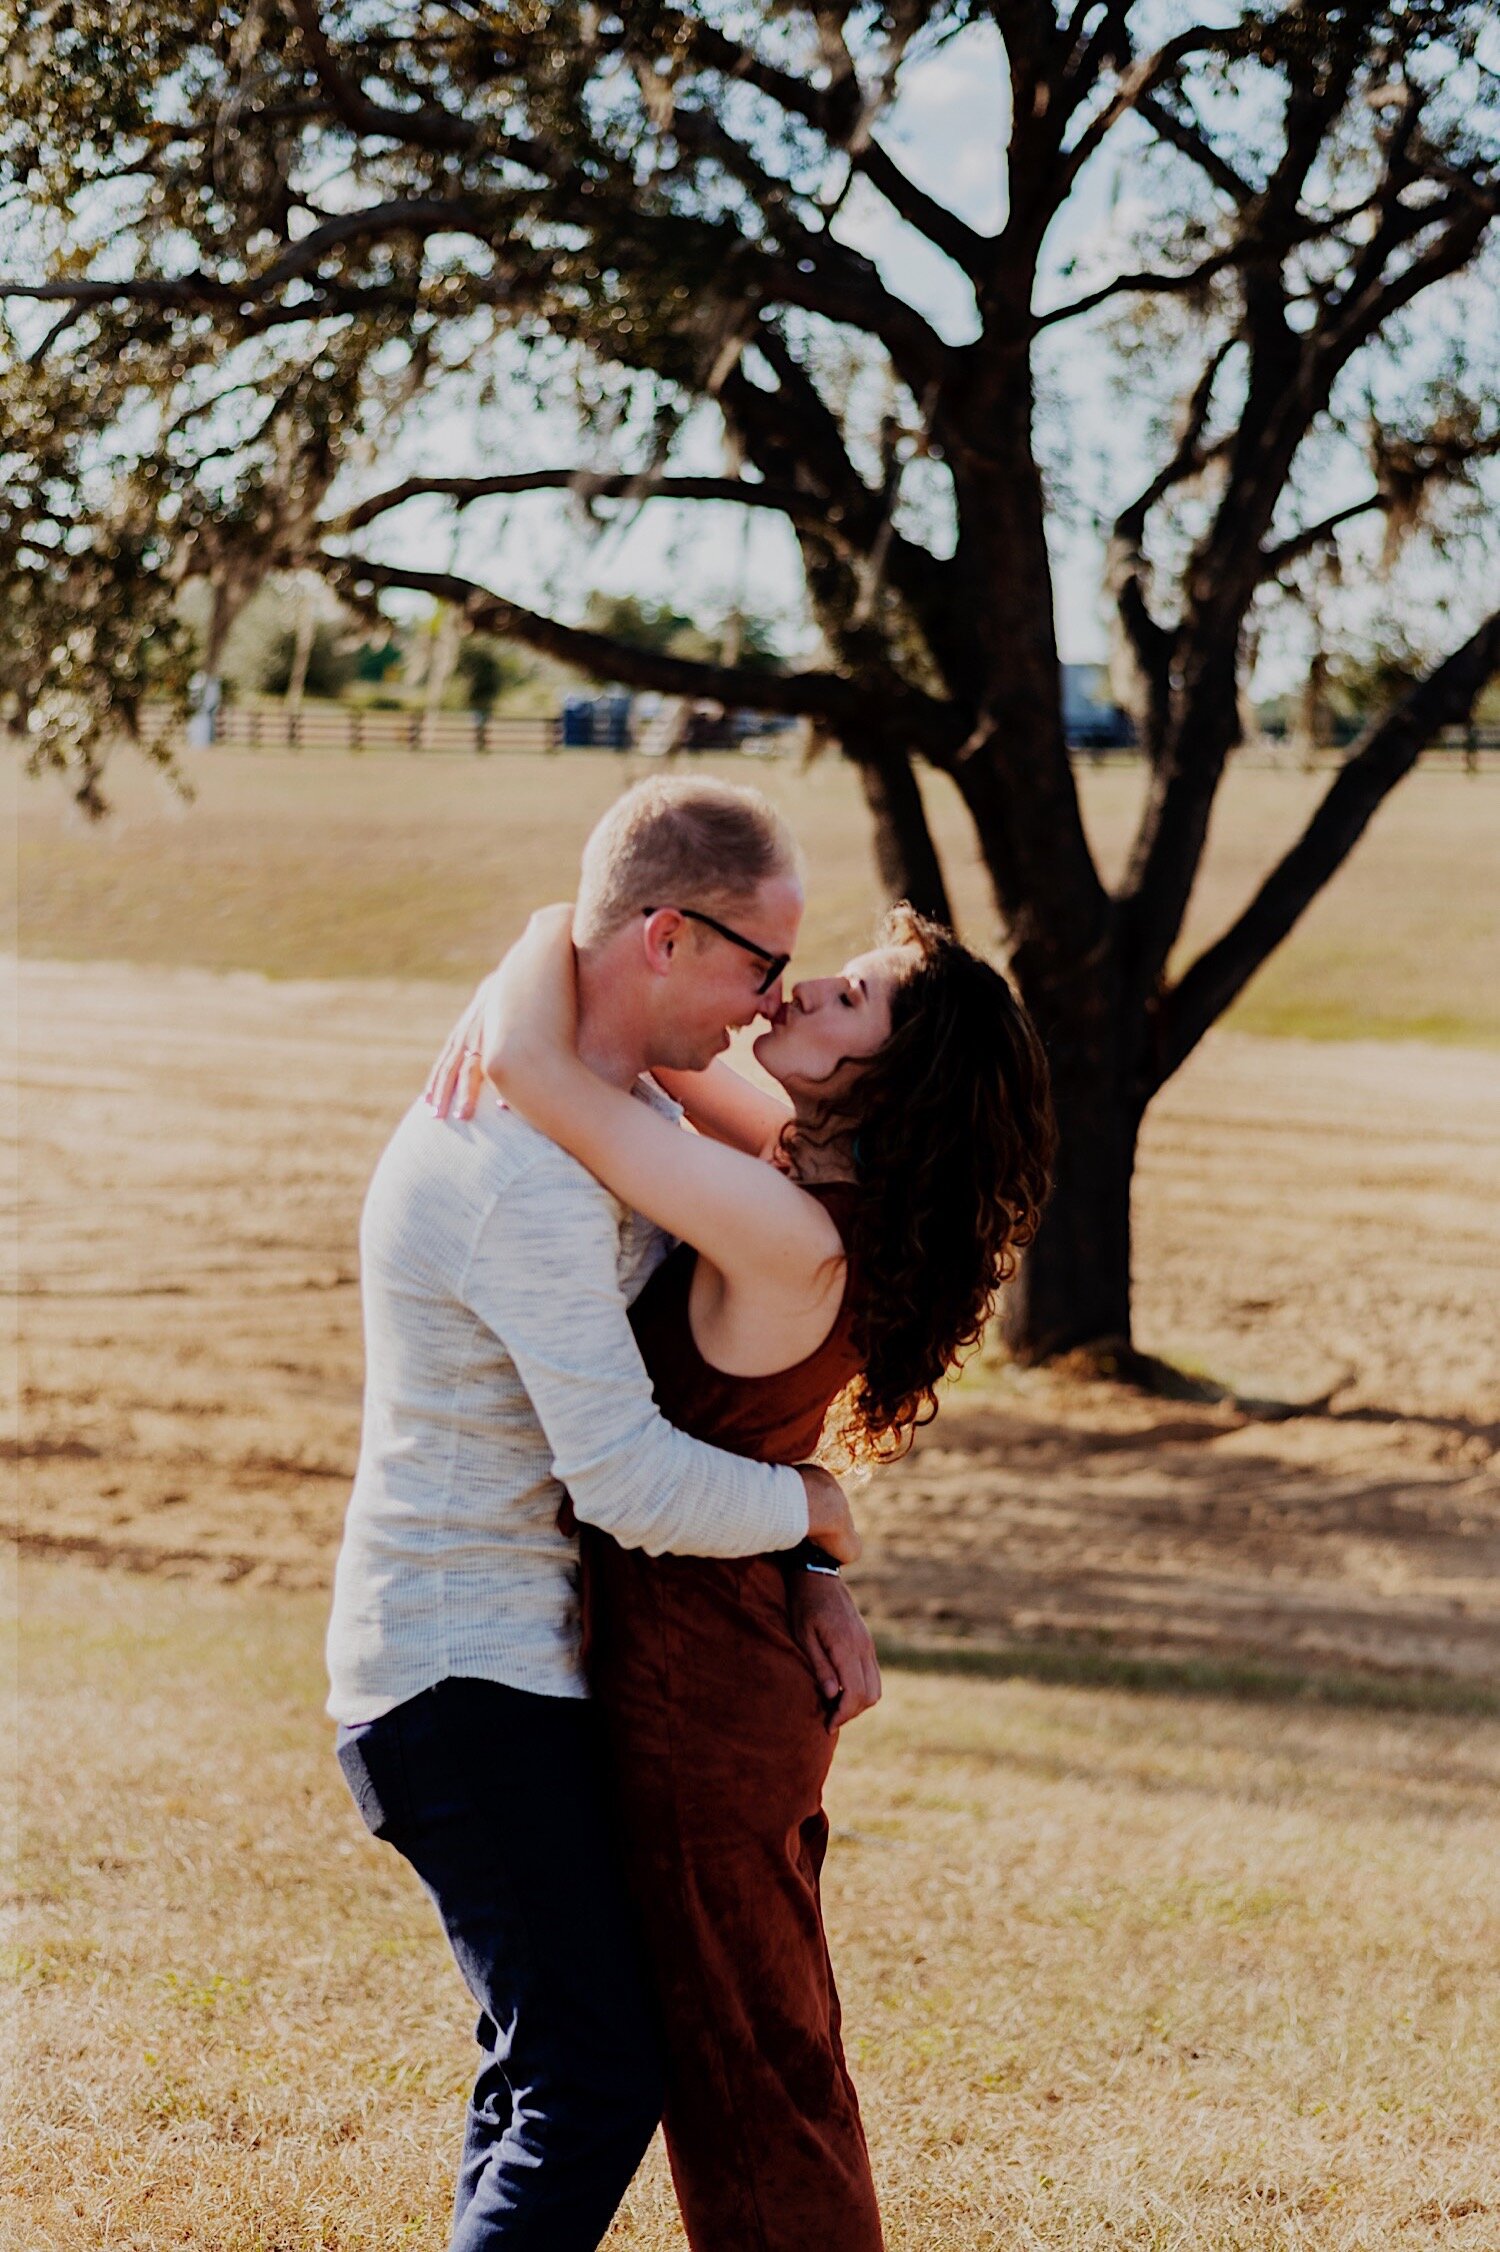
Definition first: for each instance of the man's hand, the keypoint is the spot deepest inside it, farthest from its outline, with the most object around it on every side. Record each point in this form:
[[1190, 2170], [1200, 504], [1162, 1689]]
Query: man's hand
[[829, 1521], [836, 1643]]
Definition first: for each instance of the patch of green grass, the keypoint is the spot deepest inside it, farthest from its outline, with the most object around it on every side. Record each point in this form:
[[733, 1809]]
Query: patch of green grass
[[1245, 1680], [1291, 1017]]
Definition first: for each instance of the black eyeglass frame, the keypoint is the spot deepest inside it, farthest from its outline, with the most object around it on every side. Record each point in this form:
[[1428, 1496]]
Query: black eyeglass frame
[[777, 962]]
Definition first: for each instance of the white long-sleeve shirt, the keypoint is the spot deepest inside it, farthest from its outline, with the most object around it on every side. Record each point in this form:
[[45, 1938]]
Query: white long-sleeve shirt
[[500, 1369]]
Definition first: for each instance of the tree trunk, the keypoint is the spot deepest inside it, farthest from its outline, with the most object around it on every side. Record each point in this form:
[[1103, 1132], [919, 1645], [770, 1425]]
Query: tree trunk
[[1073, 1288], [1312, 730], [307, 619]]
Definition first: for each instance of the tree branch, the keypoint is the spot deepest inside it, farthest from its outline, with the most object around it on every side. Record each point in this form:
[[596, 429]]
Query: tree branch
[[1283, 392], [818, 695], [420, 215], [943, 228], [792, 432], [1148, 640], [1365, 310], [430, 127], [1109, 41], [1291, 377], [1188, 136], [66, 319], [191, 290], [1384, 753], [833, 110], [904, 849], [812, 270], [1396, 220], [1166, 284], [595, 484], [838, 110], [794, 427], [845, 287], [1143, 77], [1187, 456], [1298, 544]]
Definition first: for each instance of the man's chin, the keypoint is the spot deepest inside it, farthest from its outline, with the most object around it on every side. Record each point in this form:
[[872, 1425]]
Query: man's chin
[[698, 1056]]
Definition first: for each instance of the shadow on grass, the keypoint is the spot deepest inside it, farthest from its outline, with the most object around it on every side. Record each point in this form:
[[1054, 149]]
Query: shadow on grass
[[1118, 1362], [1245, 1680], [1114, 1360]]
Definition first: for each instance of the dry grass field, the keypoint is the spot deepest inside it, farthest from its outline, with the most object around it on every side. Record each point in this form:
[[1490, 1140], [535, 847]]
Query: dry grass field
[[421, 868], [195, 1149], [1177, 1976], [1122, 1968]]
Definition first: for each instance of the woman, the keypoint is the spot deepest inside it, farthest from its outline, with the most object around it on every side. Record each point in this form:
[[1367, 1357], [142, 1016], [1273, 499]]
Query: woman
[[842, 1244]]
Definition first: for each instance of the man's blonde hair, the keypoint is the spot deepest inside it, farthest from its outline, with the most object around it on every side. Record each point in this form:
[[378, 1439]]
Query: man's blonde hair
[[679, 841]]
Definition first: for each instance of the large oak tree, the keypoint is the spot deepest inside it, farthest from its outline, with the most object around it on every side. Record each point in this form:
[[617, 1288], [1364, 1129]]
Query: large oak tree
[[257, 235]]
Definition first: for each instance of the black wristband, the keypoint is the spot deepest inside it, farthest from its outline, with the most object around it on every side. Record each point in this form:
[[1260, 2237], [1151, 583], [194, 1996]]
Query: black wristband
[[807, 1556]]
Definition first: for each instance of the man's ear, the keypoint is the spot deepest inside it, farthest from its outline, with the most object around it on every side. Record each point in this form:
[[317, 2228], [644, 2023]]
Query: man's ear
[[661, 937]]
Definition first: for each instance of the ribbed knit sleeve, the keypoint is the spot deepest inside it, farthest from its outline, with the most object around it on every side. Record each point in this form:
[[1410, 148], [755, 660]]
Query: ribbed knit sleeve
[[543, 1276]]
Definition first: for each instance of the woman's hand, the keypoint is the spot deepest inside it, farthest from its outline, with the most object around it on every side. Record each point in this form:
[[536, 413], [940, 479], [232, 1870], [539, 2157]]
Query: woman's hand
[[837, 1645], [453, 1084], [528, 1006]]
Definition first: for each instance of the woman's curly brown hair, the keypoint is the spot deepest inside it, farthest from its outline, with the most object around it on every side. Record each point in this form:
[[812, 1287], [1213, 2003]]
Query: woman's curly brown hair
[[952, 1139]]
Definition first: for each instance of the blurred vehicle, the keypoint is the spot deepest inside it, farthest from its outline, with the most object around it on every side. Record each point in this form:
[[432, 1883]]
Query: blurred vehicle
[[598, 723], [1092, 720]]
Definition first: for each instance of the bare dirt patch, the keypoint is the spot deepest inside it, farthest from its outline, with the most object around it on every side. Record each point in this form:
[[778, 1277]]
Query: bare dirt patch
[[194, 1149]]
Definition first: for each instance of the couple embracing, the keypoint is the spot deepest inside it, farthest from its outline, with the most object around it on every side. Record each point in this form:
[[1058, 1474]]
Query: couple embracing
[[589, 1650]]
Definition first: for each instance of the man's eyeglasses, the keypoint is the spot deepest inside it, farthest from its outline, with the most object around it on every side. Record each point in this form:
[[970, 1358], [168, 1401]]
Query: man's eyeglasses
[[775, 963]]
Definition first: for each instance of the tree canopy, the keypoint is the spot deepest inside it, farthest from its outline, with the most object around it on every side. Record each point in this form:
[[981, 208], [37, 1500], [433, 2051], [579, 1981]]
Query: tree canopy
[[258, 237]]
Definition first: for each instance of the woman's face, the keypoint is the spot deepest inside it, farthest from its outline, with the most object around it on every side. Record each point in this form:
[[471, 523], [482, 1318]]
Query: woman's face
[[826, 1022]]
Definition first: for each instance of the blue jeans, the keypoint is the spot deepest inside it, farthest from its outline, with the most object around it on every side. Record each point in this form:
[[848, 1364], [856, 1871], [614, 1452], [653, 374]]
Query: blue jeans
[[497, 1799]]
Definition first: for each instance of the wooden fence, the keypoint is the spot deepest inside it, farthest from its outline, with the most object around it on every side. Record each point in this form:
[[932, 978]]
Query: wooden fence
[[345, 728], [348, 727]]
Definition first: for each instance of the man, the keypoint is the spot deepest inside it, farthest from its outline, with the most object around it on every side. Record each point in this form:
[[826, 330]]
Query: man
[[502, 1374]]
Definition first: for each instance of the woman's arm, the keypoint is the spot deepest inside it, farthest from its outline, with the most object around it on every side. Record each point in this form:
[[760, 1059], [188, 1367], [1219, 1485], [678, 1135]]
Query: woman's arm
[[723, 1103], [746, 1218]]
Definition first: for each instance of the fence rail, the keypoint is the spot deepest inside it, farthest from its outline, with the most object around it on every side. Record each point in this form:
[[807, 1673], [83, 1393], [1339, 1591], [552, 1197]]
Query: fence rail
[[350, 728]]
